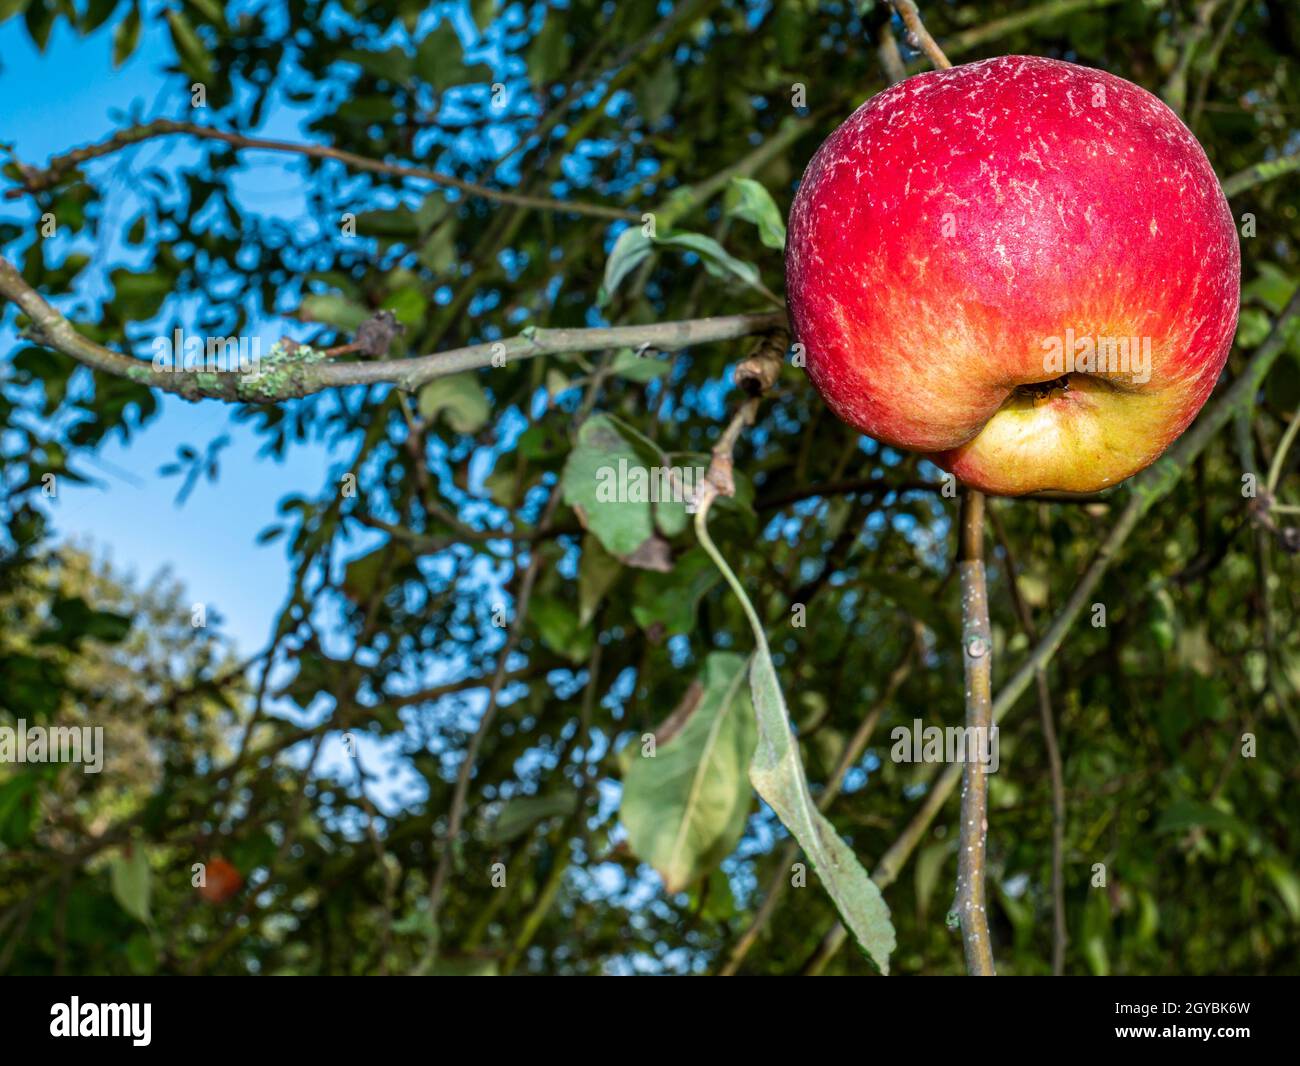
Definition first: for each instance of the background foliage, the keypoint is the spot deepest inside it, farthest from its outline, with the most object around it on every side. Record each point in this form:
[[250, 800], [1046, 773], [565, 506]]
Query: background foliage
[[475, 489]]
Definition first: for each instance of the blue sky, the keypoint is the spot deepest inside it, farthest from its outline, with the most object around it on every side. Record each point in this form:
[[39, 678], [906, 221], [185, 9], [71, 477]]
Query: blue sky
[[130, 513], [127, 512]]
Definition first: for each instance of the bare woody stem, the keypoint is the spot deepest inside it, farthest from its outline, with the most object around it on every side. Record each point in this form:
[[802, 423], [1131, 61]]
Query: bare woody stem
[[302, 378], [977, 648]]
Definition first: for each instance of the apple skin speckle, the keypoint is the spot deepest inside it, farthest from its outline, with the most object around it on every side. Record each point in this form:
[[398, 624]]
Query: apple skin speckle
[[960, 220]]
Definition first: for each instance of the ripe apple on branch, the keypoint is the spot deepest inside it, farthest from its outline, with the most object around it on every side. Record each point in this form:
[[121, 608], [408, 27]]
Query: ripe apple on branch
[[967, 228], [1028, 271]]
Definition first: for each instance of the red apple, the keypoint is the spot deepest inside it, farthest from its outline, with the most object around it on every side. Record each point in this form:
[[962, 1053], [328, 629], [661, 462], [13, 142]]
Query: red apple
[[963, 242], [221, 880]]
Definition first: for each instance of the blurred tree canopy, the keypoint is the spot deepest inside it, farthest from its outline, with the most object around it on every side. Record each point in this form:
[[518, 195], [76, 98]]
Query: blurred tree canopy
[[484, 171]]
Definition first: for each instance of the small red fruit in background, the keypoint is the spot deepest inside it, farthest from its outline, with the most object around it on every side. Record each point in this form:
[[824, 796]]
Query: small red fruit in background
[[221, 881], [967, 237]]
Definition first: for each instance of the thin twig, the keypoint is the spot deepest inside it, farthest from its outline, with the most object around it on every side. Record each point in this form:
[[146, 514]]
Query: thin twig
[[918, 36], [887, 51], [1174, 92], [40, 179], [1211, 63], [994, 29], [1260, 173]]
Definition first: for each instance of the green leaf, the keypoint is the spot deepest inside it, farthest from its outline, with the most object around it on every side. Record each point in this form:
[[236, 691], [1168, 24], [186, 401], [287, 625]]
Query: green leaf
[[465, 968], [367, 109], [1252, 327], [685, 808], [130, 877], [408, 304], [363, 575], [1164, 619], [96, 13], [1287, 885], [632, 367], [74, 619], [519, 814], [126, 36], [1196, 653], [548, 55], [458, 399], [39, 19], [190, 49], [671, 600], [501, 485], [620, 525], [1096, 926], [392, 64], [212, 10], [438, 57], [597, 572], [398, 223], [541, 442], [1183, 814], [139, 296], [438, 252], [717, 261], [906, 594], [777, 775], [714, 899], [140, 954], [557, 624], [929, 865], [656, 93], [138, 231], [788, 32], [483, 11], [18, 809], [631, 249], [333, 310], [1272, 286], [10, 8], [747, 199]]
